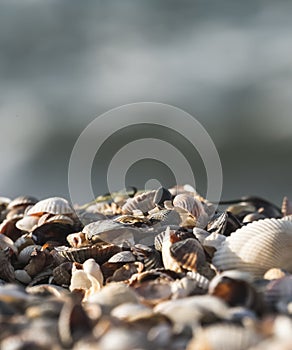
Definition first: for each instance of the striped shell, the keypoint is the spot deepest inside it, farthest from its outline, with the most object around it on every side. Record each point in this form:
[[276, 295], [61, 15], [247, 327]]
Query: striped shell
[[52, 205], [143, 202], [23, 201], [257, 247], [188, 253]]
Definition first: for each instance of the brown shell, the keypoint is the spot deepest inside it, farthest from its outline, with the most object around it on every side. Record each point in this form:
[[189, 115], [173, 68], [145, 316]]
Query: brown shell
[[142, 202], [125, 272], [99, 252], [6, 269], [62, 273], [37, 263], [52, 205], [188, 253], [286, 207], [25, 254], [257, 247]]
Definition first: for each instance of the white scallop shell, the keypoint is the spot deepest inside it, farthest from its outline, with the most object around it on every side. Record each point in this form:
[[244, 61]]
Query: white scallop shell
[[143, 202], [52, 205], [257, 247]]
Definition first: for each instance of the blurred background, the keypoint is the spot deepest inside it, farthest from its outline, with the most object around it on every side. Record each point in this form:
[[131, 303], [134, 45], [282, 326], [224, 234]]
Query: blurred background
[[228, 63]]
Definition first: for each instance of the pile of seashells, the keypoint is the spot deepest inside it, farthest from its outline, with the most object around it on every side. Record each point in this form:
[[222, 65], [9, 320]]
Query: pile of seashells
[[162, 269]]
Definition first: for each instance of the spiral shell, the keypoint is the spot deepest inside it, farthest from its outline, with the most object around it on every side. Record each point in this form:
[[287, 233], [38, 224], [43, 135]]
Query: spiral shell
[[257, 247]]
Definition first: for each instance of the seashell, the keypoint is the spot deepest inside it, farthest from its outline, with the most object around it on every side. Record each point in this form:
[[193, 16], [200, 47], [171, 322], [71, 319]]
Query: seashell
[[52, 205], [200, 280], [253, 217], [108, 231], [223, 223], [77, 239], [37, 262], [112, 295], [257, 247], [161, 195], [182, 189], [55, 219], [122, 257], [152, 293], [143, 202], [125, 272], [23, 241], [8, 228], [273, 274], [185, 287], [188, 253], [224, 336], [43, 277], [27, 223], [132, 220], [279, 290], [234, 287], [51, 232], [150, 257], [193, 206], [130, 312], [62, 273], [241, 209], [6, 242], [286, 207], [165, 217], [22, 201], [25, 254], [193, 310], [22, 276], [100, 252], [6, 269]]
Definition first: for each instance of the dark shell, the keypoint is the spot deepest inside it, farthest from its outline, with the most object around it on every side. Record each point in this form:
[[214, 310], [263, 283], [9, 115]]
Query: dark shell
[[188, 253], [150, 257], [161, 195], [62, 273], [223, 223], [99, 252]]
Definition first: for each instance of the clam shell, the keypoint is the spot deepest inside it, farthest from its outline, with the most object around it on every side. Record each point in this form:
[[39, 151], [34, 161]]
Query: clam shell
[[161, 195], [193, 206], [188, 253], [62, 273], [27, 223], [257, 247], [142, 202], [224, 337], [25, 254], [122, 257], [55, 219], [23, 201], [279, 290], [52, 205], [125, 272], [22, 276], [150, 257], [99, 252], [6, 242], [166, 217]]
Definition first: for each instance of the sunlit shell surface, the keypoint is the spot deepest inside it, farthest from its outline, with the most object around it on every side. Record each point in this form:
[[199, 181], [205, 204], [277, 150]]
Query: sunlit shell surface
[[22, 200], [224, 337], [257, 247], [52, 205], [143, 202]]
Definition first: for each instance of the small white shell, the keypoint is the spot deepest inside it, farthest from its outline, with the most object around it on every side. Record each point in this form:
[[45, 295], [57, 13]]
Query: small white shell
[[27, 223], [52, 205], [257, 247]]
